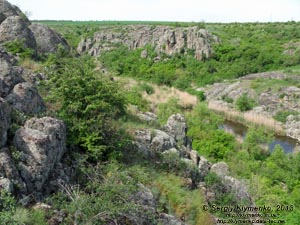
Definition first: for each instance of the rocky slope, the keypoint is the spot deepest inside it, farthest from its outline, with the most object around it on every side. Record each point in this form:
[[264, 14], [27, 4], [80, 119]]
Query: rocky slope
[[30, 154], [172, 140], [164, 39]]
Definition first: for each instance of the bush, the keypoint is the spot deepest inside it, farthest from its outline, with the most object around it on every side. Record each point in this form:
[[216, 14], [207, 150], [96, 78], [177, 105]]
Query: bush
[[227, 99], [134, 97], [244, 103], [87, 102], [281, 116], [147, 88], [165, 110], [201, 96], [254, 141], [17, 47]]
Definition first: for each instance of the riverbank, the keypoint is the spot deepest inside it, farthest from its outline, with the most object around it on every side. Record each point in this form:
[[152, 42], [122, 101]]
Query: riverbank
[[246, 118]]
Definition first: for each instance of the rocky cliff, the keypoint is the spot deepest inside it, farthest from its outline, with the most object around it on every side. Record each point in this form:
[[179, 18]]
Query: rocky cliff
[[166, 39]]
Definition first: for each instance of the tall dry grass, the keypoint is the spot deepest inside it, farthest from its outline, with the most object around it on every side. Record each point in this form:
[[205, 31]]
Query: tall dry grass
[[246, 118]]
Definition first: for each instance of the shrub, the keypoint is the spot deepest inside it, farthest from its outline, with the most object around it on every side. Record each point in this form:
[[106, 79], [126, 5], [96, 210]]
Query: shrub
[[147, 88], [201, 96], [87, 102], [227, 99], [17, 47], [281, 116], [245, 103], [134, 97], [165, 110], [254, 141]]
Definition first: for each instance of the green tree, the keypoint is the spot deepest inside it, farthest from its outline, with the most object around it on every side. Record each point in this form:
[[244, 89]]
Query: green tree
[[244, 103], [87, 102]]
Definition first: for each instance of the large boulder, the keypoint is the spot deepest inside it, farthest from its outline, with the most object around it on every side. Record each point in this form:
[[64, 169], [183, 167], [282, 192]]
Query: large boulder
[[7, 10], [176, 127], [231, 184], [42, 143], [220, 168], [48, 41], [5, 120], [15, 28], [25, 98], [149, 141]]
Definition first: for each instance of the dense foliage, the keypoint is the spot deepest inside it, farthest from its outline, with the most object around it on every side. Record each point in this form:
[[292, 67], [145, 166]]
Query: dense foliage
[[87, 102]]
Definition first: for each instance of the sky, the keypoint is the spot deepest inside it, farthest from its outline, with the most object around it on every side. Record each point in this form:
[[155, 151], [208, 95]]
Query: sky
[[163, 10]]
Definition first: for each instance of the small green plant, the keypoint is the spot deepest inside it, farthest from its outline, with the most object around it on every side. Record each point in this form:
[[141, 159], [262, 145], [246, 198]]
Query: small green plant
[[167, 109], [201, 96], [147, 88], [245, 103], [17, 47], [227, 99], [255, 141], [281, 116]]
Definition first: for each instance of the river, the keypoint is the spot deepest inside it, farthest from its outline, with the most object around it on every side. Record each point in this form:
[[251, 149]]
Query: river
[[239, 131]]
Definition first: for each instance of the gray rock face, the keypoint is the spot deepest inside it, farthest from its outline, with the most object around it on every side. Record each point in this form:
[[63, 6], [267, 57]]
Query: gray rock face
[[42, 145], [195, 157], [19, 94], [26, 98], [2, 17], [204, 166], [150, 141], [48, 41], [10, 75], [176, 126], [6, 185], [5, 120], [165, 39], [292, 126], [9, 172], [220, 168], [147, 116], [6, 10], [16, 28], [233, 185], [14, 25], [237, 187]]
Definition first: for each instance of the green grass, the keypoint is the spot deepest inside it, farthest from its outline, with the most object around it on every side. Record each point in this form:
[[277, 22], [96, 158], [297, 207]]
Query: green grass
[[181, 201], [261, 85]]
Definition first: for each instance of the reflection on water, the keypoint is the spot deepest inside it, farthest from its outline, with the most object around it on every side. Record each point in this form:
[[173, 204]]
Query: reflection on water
[[239, 131]]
